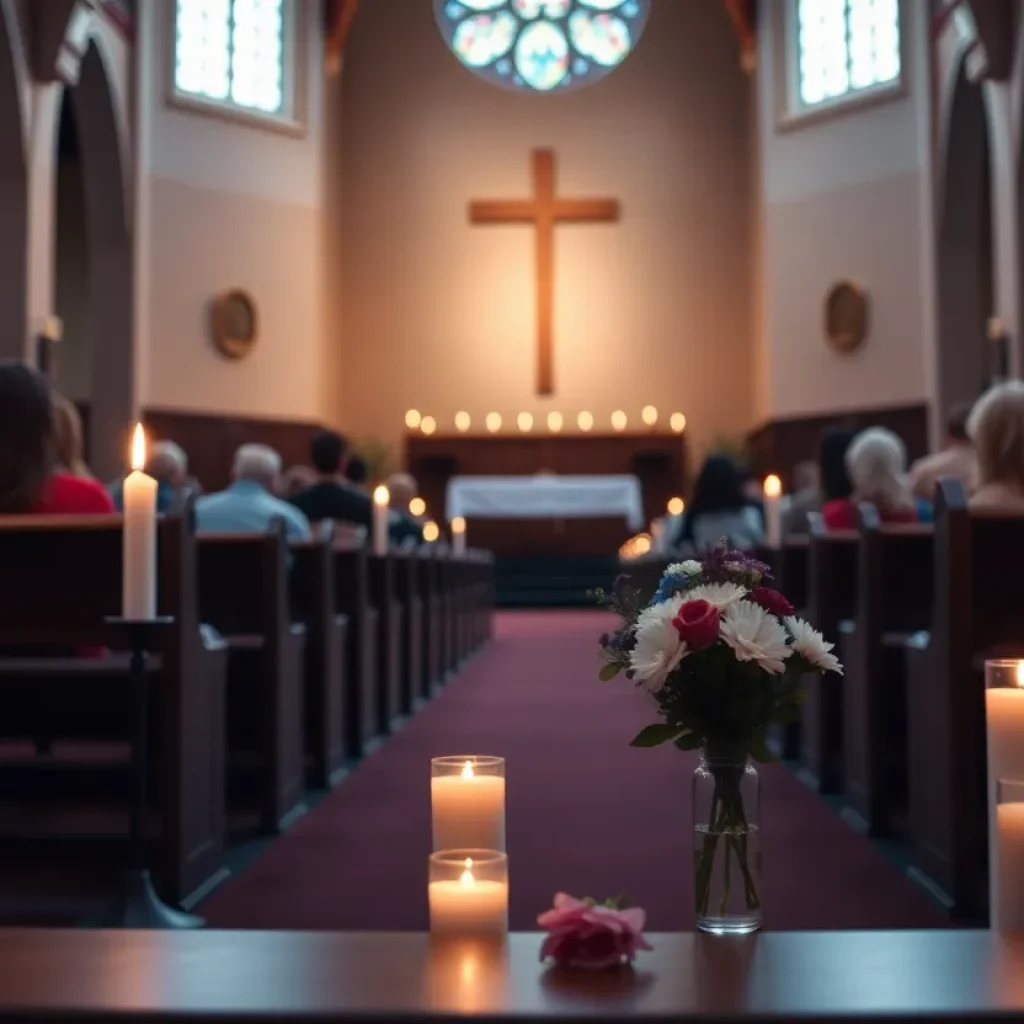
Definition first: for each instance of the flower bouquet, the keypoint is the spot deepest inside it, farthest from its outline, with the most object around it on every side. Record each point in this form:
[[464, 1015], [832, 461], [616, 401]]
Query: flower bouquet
[[724, 656]]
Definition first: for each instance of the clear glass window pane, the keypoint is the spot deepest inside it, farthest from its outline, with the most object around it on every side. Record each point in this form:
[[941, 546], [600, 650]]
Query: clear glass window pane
[[844, 46]]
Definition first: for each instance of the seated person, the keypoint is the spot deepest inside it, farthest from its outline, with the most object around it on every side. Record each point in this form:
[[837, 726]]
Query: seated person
[[168, 465], [957, 458], [295, 480], [69, 448], [332, 496], [805, 500], [719, 508], [996, 426], [356, 472], [251, 502], [30, 482], [404, 527], [876, 462]]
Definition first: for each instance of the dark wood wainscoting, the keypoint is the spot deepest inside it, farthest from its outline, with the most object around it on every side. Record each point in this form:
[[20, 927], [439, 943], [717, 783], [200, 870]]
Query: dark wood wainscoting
[[210, 441], [778, 445]]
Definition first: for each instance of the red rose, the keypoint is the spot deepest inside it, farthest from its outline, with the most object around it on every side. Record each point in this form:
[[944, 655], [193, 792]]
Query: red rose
[[772, 601], [697, 624]]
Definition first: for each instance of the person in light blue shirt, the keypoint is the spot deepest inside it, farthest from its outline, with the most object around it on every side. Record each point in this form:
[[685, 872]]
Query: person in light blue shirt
[[250, 503]]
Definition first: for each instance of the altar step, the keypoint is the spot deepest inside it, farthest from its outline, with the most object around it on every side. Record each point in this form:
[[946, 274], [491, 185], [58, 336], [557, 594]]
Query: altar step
[[548, 582]]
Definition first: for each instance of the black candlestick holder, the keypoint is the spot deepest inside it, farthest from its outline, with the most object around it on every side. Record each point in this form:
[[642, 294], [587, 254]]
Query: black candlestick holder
[[137, 904]]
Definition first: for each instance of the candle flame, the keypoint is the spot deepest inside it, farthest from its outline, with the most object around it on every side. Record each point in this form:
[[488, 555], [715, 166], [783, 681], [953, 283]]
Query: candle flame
[[467, 770], [458, 525], [1020, 673], [772, 486], [676, 506], [381, 496], [431, 532], [139, 448], [466, 878]]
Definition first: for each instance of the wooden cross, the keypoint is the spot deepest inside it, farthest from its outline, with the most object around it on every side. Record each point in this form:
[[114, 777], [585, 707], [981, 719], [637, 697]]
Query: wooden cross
[[544, 211]]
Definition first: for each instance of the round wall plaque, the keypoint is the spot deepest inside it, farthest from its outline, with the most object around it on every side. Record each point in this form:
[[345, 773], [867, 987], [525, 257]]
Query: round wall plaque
[[846, 316], [233, 323]]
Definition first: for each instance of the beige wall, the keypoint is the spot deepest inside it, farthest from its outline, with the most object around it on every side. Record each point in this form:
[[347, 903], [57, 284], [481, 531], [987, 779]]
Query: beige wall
[[439, 315], [228, 204], [844, 196]]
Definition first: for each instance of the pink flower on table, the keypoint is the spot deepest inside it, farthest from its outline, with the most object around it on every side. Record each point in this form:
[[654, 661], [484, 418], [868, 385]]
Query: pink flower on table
[[584, 934]]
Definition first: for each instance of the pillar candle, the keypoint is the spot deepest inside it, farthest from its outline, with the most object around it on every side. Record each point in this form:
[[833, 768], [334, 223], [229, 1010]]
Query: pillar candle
[[773, 511], [138, 597], [1007, 910], [468, 905], [458, 536], [381, 502], [468, 808]]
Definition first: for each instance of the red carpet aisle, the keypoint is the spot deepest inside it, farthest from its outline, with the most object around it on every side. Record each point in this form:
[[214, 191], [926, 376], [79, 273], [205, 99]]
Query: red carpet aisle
[[586, 812]]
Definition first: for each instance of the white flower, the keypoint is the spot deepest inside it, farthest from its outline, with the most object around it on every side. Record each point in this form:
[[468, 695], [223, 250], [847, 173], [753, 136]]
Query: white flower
[[721, 595], [755, 635], [658, 649], [810, 644], [691, 567]]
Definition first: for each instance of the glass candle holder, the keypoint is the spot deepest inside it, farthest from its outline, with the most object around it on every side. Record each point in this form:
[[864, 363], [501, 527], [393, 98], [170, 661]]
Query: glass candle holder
[[468, 892], [1006, 858], [467, 801]]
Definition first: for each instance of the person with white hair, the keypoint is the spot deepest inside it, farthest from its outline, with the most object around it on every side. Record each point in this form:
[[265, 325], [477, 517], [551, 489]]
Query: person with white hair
[[996, 426], [876, 462], [251, 502], [167, 463]]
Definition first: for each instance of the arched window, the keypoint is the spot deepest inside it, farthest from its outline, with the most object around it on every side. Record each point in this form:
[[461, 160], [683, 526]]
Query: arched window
[[237, 55], [842, 50]]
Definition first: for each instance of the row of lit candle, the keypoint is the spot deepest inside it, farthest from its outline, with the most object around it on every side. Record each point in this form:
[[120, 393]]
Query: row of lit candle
[[493, 421]]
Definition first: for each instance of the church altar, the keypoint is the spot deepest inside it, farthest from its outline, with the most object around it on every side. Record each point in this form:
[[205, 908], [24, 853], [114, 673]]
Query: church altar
[[542, 496], [654, 460], [49, 974]]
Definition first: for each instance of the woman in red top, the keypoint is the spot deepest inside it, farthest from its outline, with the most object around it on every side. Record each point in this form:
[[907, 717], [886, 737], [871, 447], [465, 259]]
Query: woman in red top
[[28, 484], [877, 464]]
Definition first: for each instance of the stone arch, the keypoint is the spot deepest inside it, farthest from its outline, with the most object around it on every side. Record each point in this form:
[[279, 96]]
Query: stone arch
[[965, 245], [110, 261], [13, 196]]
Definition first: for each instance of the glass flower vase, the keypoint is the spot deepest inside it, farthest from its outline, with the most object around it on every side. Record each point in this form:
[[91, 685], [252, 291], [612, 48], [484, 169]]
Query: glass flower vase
[[726, 843]]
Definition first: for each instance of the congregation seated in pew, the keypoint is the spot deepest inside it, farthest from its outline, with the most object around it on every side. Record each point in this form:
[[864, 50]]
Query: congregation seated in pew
[[69, 446], [720, 508], [956, 459], [31, 481], [996, 426], [876, 462], [250, 503]]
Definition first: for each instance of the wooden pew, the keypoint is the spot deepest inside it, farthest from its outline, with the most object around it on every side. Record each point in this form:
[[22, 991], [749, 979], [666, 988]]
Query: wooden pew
[[381, 585], [351, 581], [832, 594], [894, 597], [429, 577], [313, 597], [791, 569], [978, 613], [61, 578], [446, 570], [407, 569], [244, 595]]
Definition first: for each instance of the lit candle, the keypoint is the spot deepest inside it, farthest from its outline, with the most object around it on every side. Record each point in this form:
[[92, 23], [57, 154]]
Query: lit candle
[[525, 422], [458, 536], [619, 421], [138, 597], [381, 500], [677, 422], [1004, 715], [676, 506], [462, 422], [555, 421], [773, 511], [431, 531], [1006, 912], [467, 801], [417, 507], [428, 425], [585, 421], [649, 415], [468, 892], [493, 422]]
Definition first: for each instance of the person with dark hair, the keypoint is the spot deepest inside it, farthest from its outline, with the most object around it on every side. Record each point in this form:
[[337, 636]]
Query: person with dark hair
[[332, 496], [357, 472], [719, 508], [957, 458], [30, 481]]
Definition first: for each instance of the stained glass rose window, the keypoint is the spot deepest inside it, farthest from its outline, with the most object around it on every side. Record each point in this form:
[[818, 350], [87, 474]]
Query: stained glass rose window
[[541, 45]]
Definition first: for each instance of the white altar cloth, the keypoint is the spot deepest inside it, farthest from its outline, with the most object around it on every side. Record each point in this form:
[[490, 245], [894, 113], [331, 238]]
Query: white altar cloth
[[546, 497]]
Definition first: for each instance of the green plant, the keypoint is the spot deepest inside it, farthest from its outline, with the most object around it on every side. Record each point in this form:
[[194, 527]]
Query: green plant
[[379, 457]]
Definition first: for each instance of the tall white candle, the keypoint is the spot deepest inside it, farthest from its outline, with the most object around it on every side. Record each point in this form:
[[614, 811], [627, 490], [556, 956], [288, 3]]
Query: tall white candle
[[773, 511], [1007, 909], [458, 536], [468, 905], [468, 808], [138, 596], [381, 501]]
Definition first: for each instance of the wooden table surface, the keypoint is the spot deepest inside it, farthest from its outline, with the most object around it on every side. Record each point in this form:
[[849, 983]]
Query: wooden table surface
[[926, 975]]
